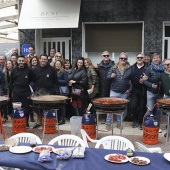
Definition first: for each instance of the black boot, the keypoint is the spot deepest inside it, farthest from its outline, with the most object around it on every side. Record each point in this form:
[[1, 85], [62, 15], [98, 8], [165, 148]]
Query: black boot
[[76, 111], [61, 122]]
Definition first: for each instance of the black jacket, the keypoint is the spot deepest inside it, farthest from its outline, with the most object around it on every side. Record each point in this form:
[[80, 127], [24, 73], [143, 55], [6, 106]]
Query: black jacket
[[45, 79], [20, 80], [80, 76], [104, 83]]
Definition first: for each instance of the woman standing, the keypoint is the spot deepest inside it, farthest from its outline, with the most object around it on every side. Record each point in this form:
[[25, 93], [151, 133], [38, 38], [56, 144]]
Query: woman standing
[[58, 56], [67, 65], [7, 76], [62, 81], [78, 80], [92, 79]]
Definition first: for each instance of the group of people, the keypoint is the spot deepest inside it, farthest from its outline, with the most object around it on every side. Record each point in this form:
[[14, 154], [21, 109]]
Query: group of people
[[142, 83]]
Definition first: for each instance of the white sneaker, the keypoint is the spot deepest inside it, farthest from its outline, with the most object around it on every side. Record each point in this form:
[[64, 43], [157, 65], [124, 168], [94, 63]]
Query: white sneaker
[[160, 130]]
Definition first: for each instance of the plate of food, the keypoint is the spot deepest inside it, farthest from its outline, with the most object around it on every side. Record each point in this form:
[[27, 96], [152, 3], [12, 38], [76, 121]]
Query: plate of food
[[4, 147], [38, 149], [138, 160], [167, 156], [20, 149], [116, 158]]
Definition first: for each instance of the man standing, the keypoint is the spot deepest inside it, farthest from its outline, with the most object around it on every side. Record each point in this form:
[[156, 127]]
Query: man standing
[[2, 61], [138, 94], [20, 79], [52, 54], [31, 54], [154, 90], [104, 83], [46, 82]]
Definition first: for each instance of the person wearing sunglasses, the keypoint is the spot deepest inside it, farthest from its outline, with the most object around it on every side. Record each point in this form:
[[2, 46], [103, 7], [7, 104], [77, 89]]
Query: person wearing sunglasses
[[102, 70], [138, 93], [120, 76], [154, 90], [164, 78]]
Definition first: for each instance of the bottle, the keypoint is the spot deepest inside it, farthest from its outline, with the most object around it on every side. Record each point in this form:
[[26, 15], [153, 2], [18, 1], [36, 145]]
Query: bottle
[[129, 152]]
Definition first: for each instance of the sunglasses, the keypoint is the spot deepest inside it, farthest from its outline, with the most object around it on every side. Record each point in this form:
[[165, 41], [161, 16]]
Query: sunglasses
[[105, 55], [59, 56], [139, 57], [123, 58], [167, 64]]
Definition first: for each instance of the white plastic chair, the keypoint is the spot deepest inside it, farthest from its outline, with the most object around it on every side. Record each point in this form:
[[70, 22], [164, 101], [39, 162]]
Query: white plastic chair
[[24, 137], [115, 143], [67, 140], [85, 136], [143, 148]]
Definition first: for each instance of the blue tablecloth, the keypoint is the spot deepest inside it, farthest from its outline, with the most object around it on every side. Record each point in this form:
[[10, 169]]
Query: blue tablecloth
[[94, 160]]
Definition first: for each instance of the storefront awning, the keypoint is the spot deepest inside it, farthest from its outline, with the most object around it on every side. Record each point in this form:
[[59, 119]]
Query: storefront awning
[[40, 14]]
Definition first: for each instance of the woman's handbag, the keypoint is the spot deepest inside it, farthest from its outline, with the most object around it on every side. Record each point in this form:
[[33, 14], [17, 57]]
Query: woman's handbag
[[64, 90], [76, 92]]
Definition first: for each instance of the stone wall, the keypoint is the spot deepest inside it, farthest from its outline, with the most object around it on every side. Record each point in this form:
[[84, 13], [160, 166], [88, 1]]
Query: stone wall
[[152, 12]]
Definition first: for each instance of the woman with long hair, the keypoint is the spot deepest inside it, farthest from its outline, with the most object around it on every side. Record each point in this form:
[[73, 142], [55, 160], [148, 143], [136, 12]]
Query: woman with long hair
[[78, 80], [7, 76], [62, 81], [34, 62]]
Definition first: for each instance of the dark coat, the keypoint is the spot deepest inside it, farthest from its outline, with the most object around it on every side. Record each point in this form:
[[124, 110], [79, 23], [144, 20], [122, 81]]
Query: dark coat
[[80, 76], [151, 73], [46, 80], [92, 80], [104, 83], [20, 80], [62, 78], [120, 83], [2, 83]]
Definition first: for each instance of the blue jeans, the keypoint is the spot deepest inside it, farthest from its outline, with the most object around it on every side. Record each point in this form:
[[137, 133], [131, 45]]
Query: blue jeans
[[118, 95], [151, 100]]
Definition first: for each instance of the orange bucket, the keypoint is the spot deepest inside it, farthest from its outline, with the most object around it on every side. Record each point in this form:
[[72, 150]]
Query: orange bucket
[[18, 125], [50, 125], [150, 135], [90, 130]]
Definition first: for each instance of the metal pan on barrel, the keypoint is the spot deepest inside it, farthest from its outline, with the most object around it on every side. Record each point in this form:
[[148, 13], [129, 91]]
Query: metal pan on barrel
[[110, 103], [164, 103], [3, 99], [48, 101]]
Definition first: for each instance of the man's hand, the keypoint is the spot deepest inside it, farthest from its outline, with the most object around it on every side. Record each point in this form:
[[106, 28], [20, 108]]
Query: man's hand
[[113, 75], [154, 86]]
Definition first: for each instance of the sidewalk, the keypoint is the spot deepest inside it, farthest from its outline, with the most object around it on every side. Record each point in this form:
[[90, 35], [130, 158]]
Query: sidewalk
[[133, 134]]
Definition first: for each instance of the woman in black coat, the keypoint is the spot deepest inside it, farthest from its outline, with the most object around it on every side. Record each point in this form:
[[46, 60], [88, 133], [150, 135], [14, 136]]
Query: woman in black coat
[[78, 80]]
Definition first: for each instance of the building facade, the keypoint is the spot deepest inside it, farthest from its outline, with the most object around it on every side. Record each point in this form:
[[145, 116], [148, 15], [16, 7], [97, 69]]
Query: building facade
[[118, 26]]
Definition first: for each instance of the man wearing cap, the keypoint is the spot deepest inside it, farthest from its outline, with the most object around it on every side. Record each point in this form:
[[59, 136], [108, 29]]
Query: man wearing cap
[[138, 93], [102, 69], [154, 90]]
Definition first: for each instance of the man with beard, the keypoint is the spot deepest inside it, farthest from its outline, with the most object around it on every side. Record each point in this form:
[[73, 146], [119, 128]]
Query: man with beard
[[20, 79], [46, 82]]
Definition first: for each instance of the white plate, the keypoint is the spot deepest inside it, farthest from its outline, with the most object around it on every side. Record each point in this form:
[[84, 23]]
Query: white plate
[[4, 147], [167, 156], [38, 149], [126, 159], [20, 149], [140, 158]]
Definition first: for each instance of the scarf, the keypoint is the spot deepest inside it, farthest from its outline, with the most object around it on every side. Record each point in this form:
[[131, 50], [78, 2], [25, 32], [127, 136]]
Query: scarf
[[156, 68]]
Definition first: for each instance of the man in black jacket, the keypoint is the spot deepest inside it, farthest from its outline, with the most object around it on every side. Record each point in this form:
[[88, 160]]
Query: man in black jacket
[[138, 94], [20, 79], [46, 82]]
